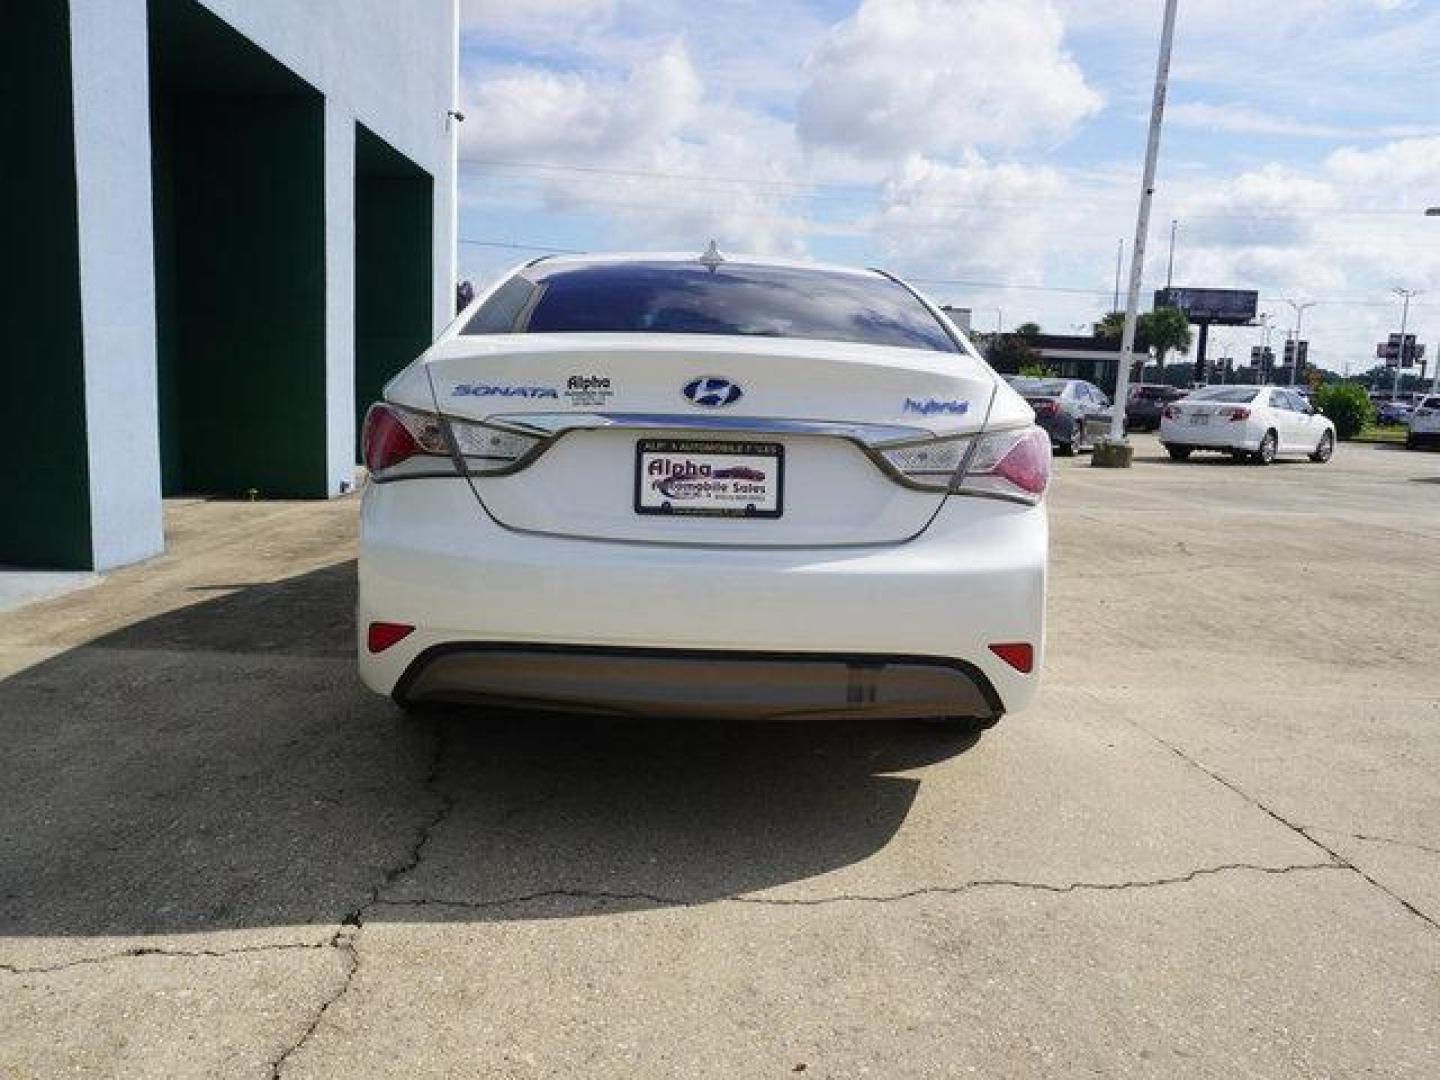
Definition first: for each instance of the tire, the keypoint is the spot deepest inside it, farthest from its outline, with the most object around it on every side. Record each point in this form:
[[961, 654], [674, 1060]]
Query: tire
[[1324, 449], [1240, 456], [1071, 447], [1178, 453], [1268, 446]]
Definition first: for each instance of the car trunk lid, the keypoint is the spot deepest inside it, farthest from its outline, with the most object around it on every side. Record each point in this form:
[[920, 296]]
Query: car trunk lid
[[631, 413]]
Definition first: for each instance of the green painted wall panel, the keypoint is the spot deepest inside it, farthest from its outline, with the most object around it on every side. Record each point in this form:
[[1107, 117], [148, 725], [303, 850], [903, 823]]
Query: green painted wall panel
[[241, 236], [45, 486], [394, 214], [239, 196]]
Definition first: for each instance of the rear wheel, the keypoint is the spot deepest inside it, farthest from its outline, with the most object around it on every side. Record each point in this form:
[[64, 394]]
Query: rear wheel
[[1324, 450], [1071, 446], [1268, 445], [1178, 453]]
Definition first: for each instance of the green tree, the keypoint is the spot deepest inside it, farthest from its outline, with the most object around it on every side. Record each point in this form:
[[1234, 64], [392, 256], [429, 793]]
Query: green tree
[[1028, 330], [1163, 330], [1010, 353], [1112, 325]]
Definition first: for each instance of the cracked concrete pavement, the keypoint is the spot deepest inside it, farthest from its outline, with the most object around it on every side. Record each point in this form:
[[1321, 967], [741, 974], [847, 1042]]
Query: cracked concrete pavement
[[1211, 848]]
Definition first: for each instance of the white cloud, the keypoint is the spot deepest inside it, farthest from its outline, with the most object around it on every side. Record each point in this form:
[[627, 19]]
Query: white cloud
[[961, 220], [532, 113], [929, 76]]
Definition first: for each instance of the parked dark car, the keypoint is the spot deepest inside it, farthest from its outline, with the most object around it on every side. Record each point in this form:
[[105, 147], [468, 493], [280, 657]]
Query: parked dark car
[[1393, 412], [1073, 412], [1146, 402]]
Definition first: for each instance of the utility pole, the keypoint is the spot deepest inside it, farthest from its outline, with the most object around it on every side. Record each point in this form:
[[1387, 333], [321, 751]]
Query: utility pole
[[1300, 309], [1170, 265], [1119, 259], [1142, 227], [1406, 295]]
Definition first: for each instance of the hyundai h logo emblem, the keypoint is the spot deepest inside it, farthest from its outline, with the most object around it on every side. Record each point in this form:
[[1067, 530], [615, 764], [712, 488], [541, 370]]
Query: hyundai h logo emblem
[[712, 392]]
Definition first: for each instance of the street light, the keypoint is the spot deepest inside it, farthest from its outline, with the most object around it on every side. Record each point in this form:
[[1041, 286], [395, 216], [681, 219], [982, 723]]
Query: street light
[[1434, 211], [1137, 251], [1300, 309], [1406, 294]]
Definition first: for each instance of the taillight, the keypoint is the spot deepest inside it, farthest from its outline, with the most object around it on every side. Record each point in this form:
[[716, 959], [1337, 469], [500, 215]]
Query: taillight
[[930, 464], [393, 435], [1046, 408], [1171, 413], [1238, 413], [1013, 464]]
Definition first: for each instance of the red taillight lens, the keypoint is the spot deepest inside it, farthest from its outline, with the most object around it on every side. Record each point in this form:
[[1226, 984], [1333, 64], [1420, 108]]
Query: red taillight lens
[[1237, 414], [1171, 413], [1014, 464], [381, 635], [393, 435], [1027, 463], [1018, 654], [387, 441], [1047, 408]]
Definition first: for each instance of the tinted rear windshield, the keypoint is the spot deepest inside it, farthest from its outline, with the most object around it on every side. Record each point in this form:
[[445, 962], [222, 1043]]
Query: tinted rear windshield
[[689, 298], [1231, 395]]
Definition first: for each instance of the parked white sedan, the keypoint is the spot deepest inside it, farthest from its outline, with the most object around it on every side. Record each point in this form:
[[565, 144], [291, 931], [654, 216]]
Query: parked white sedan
[[680, 486], [1424, 426], [1255, 423]]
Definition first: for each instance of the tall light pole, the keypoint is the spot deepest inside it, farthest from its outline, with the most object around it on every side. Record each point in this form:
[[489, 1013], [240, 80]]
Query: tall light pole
[[1119, 259], [1142, 228], [1434, 211], [1170, 263], [1405, 294], [1300, 309]]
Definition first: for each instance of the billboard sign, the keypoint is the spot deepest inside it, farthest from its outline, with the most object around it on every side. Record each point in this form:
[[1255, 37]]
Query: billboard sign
[[1228, 307]]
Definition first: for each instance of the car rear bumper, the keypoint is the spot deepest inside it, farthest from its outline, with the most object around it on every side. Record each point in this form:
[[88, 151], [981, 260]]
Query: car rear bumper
[[1217, 436], [676, 683], [880, 629]]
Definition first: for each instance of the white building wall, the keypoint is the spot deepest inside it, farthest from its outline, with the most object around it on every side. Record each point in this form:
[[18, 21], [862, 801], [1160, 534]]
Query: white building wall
[[110, 80], [389, 64], [392, 66]]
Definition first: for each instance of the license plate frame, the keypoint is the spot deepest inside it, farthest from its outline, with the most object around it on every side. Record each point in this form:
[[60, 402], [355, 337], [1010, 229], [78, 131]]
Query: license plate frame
[[1200, 420], [725, 495]]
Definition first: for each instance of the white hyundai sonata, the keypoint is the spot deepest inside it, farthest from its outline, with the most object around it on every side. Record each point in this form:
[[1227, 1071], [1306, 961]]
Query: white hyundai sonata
[[728, 487]]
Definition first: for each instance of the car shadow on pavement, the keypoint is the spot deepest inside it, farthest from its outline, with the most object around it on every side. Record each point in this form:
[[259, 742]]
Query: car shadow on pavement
[[220, 767]]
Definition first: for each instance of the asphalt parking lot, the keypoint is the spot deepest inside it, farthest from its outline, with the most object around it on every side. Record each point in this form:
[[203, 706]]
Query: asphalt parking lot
[[1211, 849]]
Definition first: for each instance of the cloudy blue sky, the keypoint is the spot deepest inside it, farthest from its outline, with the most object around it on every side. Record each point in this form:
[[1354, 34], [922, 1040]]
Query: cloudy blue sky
[[987, 149]]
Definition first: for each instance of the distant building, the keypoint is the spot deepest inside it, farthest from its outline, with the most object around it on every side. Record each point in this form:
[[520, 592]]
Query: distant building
[[960, 316], [1094, 359], [225, 223]]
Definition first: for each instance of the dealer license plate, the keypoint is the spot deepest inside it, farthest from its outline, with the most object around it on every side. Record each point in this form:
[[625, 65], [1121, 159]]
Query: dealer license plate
[[1199, 419], [702, 478]]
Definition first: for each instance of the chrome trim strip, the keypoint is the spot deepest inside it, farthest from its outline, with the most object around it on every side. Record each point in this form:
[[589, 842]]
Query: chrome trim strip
[[549, 424]]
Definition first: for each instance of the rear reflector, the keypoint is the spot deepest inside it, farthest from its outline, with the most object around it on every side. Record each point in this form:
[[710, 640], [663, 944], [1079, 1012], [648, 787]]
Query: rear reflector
[[384, 634], [1019, 655]]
